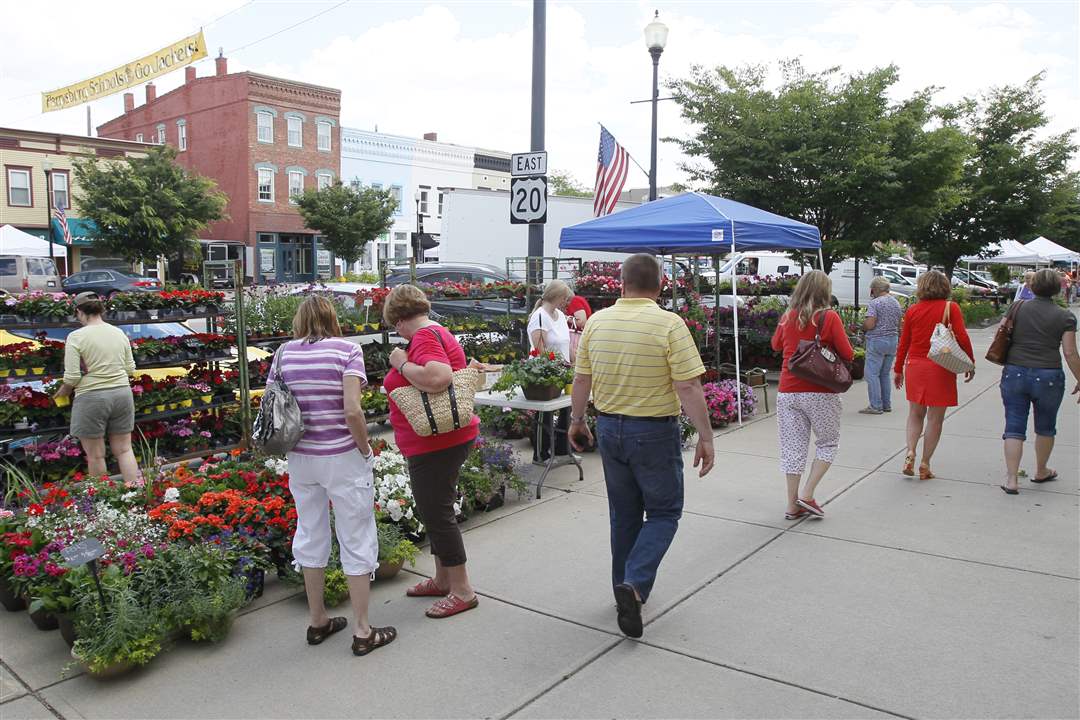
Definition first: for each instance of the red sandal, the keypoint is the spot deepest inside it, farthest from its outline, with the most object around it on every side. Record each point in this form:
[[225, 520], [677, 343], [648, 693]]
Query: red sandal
[[426, 588], [451, 605]]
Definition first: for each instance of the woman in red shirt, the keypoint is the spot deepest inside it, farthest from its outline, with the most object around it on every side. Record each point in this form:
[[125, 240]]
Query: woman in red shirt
[[931, 389], [802, 406]]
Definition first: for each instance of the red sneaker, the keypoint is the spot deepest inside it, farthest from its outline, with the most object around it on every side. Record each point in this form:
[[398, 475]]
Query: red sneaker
[[799, 513], [811, 507]]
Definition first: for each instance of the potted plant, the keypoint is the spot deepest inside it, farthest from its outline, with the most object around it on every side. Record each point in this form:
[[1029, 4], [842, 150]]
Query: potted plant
[[540, 377], [858, 364], [119, 636], [394, 551]]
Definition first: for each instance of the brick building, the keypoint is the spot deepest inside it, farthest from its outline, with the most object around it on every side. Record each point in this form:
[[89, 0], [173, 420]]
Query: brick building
[[263, 140]]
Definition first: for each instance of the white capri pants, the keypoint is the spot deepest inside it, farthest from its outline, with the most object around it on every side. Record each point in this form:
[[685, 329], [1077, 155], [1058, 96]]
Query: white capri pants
[[346, 480], [796, 415]]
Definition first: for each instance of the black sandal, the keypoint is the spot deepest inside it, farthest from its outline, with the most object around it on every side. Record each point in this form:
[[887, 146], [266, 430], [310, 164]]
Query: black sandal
[[374, 641], [1010, 491], [317, 635], [1052, 476]]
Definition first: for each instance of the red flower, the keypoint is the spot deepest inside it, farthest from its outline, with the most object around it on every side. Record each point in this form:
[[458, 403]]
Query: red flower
[[534, 353], [551, 355]]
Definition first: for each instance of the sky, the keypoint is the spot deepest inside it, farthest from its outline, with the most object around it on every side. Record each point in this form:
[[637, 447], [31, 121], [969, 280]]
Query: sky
[[463, 69]]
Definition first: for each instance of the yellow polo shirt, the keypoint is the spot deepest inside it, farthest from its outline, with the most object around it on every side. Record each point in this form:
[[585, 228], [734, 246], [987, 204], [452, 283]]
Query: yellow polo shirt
[[634, 351]]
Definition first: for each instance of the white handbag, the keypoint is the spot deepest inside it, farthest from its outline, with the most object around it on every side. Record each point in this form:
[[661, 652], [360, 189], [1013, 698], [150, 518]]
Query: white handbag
[[945, 350]]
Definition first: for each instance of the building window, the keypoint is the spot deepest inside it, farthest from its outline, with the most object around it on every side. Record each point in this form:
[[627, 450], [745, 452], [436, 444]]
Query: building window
[[395, 192], [324, 136], [401, 246], [441, 194], [296, 131], [181, 135], [138, 137], [266, 185], [296, 185], [19, 192], [323, 180], [424, 192], [61, 197], [161, 134], [264, 123], [376, 186]]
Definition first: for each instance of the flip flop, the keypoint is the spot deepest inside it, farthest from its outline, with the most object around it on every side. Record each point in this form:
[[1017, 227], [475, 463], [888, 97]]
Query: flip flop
[[1009, 491], [1051, 477]]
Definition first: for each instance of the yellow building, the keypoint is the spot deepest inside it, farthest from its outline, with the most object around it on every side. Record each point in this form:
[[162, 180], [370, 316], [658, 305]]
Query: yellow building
[[36, 178]]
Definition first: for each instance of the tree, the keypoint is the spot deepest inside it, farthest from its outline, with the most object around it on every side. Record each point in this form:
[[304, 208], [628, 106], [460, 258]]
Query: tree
[[1062, 221], [146, 207], [348, 218], [825, 148], [565, 184], [1010, 181]]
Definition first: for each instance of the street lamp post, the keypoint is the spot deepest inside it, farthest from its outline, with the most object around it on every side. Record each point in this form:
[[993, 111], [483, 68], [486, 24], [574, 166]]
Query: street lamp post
[[418, 242], [46, 165], [656, 34]]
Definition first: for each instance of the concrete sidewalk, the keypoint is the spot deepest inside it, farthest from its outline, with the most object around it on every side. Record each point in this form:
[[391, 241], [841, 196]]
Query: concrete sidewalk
[[944, 598]]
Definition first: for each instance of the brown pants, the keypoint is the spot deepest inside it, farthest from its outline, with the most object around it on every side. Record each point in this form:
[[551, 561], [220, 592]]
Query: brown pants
[[434, 477]]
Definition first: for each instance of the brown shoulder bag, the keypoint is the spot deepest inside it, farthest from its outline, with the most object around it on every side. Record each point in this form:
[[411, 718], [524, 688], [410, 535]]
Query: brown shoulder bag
[[999, 348]]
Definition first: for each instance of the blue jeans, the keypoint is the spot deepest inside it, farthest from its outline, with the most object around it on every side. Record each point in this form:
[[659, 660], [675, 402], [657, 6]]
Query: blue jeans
[[880, 354], [643, 469], [1024, 387]]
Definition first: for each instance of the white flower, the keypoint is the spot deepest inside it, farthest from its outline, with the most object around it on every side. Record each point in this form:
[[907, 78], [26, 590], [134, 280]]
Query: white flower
[[395, 511], [172, 494]]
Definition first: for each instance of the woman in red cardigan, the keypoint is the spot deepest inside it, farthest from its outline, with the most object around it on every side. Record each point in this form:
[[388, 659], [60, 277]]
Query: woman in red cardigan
[[931, 389], [802, 406]]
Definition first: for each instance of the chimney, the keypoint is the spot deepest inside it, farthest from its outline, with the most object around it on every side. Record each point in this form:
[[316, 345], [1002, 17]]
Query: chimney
[[129, 102], [433, 137], [189, 74], [221, 64], [151, 93]]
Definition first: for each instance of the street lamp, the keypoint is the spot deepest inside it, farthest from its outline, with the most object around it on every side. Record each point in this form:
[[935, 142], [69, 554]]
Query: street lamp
[[46, 165], [417, 242], [656, 34]]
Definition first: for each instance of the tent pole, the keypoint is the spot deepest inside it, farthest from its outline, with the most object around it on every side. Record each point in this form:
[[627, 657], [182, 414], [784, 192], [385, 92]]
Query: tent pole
[[735, 317], [716, 307], [821, 261]]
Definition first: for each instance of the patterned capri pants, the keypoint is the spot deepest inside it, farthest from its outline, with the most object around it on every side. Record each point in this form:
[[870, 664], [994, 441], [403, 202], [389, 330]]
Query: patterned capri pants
[[796, 415]]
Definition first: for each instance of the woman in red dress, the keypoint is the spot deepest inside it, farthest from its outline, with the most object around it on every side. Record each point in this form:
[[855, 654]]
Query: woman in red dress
[[931, 389]]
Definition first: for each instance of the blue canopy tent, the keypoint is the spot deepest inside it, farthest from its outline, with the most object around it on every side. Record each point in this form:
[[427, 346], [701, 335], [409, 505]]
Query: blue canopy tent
[[693, 224]]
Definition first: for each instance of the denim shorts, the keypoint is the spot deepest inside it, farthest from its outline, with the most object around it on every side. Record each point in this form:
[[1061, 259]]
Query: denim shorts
[[1023, 388]]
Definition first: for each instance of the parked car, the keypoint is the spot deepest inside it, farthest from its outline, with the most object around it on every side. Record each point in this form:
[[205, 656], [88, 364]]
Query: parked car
[[109, 282], [898, 284], [18, 273], [461, 272], [971, 278]]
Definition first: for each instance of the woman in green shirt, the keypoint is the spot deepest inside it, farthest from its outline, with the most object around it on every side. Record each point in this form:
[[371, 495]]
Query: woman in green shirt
[[97, 365]]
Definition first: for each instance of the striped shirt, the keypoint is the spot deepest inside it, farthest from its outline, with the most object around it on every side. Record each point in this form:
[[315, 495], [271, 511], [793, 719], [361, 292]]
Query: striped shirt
[[314, 373], [634, 352]]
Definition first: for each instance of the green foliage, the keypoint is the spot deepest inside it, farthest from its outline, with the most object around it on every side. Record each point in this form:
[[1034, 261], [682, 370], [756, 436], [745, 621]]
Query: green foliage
[[336, 588], [885, 250], [394, 547], [368, 278], [541, 370], [1000, 273], [561, 182], [829, 149], [124, 631], [1061, 222], [149, 206], [348, 218]]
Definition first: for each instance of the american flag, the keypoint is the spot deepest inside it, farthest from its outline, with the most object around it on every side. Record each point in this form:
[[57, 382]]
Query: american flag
[[61, 218], [612, 166]]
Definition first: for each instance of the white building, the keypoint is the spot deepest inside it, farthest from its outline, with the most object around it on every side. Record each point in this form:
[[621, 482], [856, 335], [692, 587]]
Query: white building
[[419, 172]]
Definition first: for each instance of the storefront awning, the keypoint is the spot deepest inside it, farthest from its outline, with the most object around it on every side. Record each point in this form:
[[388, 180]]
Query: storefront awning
[[81, 230]]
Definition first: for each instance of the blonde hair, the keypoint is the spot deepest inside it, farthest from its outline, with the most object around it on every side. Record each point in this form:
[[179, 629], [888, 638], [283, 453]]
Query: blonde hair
[[315, 319], [404, 302], [812, 294], [933, 285], [880, 284], [554, 292], [1029, 276]]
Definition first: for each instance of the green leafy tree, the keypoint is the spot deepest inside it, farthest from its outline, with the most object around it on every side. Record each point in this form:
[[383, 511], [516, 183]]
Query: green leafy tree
[[828, 149], [565, 184], [1062, 221], [146, 207], [1011, 182], [348, 218]]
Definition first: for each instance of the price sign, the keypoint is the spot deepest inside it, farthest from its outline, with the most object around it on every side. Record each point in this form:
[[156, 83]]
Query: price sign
[[83, 552]]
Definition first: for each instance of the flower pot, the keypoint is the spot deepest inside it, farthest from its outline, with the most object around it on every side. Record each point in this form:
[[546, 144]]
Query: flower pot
[[4, 373], [44, 620], [67, 629], [20, 372], [38, 370], [62, 401], [858, 368], [185, 403], [8, 598], [385, 571], [160, 408], [207, 399], [541, 392]]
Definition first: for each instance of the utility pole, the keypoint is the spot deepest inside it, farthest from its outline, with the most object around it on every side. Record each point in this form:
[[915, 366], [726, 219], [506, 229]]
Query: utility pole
[[534, 271]]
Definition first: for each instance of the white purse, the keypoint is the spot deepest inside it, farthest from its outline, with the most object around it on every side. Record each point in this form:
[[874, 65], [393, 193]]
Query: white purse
[[945, 350]]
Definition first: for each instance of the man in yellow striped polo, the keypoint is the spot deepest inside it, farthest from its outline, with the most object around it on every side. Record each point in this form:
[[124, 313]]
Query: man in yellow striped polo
[[642, 368]]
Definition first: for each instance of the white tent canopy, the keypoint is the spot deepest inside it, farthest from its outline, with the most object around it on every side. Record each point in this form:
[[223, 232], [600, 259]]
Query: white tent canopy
[[16, 242], [1008, 252], [1052, 251]]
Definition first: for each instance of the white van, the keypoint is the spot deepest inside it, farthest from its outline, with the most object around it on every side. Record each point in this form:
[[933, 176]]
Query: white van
[[19, 273], [846, 288]]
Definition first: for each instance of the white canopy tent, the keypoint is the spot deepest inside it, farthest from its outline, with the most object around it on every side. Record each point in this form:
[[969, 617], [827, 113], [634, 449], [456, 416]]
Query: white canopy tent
[[16, 242], [1008, 252], [1052, 251]]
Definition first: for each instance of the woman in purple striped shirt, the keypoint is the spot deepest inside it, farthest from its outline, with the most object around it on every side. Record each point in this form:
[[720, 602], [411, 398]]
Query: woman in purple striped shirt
[[332, 463]]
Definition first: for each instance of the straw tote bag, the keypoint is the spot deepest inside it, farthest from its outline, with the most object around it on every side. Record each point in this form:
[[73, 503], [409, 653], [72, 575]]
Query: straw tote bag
[[819, 364], [945, 350], [442, 412]]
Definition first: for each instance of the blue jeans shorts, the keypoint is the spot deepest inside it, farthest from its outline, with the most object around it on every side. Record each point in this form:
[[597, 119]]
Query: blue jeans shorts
[[1023, 388]]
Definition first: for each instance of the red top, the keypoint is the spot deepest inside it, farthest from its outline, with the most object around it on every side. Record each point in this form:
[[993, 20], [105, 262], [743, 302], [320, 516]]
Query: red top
[[424, 348], [787, 337], [578, 303], [919, 323]]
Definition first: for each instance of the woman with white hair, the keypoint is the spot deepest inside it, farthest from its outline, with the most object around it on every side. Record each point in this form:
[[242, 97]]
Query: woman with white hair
[[882, 326]]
